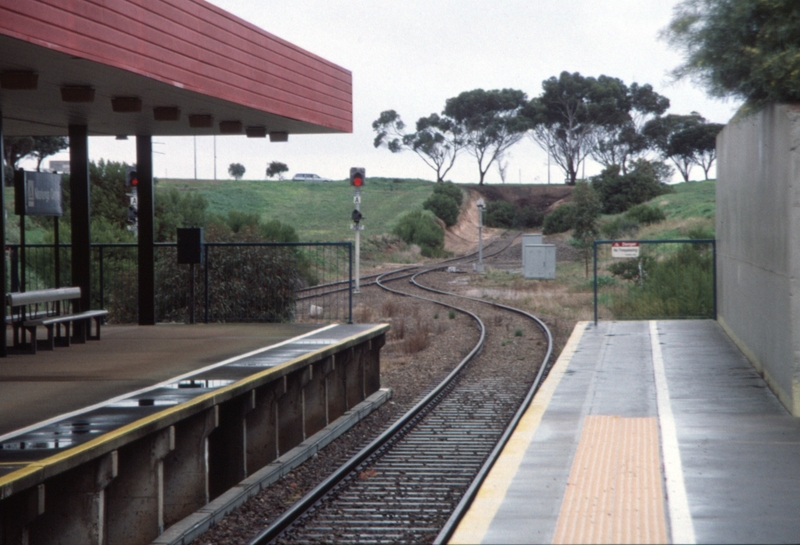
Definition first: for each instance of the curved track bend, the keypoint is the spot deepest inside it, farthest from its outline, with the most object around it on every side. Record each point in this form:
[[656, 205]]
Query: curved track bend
[[413, 482]]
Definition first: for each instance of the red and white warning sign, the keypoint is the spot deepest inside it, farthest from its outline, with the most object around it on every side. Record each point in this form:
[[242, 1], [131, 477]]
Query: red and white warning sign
[[624, 249]]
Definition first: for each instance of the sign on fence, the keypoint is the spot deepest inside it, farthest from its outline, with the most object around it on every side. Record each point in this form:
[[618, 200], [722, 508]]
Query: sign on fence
[[37, 193], [624, 249]]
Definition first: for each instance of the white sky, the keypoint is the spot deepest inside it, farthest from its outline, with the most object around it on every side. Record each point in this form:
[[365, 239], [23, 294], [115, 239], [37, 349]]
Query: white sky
[[411, 56]]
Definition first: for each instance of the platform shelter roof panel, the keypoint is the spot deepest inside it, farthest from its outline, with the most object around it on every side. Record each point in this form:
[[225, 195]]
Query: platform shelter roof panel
[[184, 55]]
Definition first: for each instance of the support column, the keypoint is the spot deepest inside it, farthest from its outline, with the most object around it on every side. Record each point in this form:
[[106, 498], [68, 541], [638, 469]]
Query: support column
[[19, 513], [186, 486], [80, 212], [261, 424], [135, 500], [3, 347], [74, 511], [147, 275]]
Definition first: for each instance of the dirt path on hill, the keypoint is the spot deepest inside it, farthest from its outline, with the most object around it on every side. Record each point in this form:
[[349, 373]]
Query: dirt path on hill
[[462, 238]]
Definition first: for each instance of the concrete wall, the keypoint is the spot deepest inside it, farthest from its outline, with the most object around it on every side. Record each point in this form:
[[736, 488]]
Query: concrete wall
[[758, 243]]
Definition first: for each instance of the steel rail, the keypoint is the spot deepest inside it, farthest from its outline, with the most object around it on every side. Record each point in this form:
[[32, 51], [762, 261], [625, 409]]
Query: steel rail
[[466, 500], [305, 503], [414, 415], [436, 266]]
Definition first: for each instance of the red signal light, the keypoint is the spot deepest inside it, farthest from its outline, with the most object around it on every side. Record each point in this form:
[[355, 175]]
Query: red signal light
[[357, 176]]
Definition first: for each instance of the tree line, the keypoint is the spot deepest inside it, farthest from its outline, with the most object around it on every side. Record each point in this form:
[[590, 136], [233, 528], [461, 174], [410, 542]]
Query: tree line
[[574, 118]]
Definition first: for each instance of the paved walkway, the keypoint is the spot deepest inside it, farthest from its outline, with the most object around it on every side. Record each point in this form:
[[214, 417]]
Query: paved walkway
[[646, 432]]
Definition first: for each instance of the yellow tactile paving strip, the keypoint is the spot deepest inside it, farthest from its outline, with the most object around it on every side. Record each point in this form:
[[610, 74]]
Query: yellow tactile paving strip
[[614, 492], [476, 522]]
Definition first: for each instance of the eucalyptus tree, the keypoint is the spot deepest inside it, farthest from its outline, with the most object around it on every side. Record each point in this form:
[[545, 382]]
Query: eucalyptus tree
[[490, 122], [437, 140], [687, 140], [38, 147], [746, 49], [622, 141], [277, 168], [236, 170], [567, 118]]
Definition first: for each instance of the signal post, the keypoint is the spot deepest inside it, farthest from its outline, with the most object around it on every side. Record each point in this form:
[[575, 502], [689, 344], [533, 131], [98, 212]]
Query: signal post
[[357, 177]]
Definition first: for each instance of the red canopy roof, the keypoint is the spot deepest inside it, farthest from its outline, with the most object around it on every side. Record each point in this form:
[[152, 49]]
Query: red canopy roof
[[165, 58]]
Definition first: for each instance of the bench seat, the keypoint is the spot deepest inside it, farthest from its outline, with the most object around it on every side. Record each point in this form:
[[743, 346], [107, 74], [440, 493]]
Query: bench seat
[[83, 333], [44, 308]]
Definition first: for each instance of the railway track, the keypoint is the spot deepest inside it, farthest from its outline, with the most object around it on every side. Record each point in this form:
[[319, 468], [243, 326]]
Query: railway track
[[492, 249], [414, 481]]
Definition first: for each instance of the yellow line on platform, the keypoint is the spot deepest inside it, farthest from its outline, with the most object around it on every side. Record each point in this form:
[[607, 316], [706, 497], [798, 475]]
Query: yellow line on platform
[[475, 524], [103, 443], [614, 492]]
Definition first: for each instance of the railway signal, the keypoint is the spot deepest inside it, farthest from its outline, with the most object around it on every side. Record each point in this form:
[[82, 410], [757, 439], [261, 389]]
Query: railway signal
[[357, 177], [132, 181], [131, 177]]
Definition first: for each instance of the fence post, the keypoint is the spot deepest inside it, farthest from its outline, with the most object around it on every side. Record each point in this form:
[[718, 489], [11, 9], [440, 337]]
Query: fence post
[[714, 274], [594, 253], [350, 286], [102, 281], [206, 260], [57, 257], [14, 268]]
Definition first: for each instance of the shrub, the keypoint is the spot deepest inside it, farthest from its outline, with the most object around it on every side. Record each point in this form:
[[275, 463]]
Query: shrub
[[629, 269], [700, 233], [645, 214], [444, 206], [238, 221], [449, 189], [500, 214], [681, 286], [619, 227], [528, 217], [618, 192], [419, 227], [275, 231], [559, 220]]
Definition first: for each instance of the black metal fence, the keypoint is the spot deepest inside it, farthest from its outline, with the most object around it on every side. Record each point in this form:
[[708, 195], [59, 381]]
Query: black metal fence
[[237, 281], [665, 279]]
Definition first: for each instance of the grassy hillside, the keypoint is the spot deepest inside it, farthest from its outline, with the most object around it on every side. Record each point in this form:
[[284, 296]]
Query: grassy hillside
[[318, 211], [321, 211], [692, 206]]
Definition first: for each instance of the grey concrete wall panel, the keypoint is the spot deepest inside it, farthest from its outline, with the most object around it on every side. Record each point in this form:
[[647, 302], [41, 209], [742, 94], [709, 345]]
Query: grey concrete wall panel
[[185, 467], [758, 243], [539, 260], [262, 429]]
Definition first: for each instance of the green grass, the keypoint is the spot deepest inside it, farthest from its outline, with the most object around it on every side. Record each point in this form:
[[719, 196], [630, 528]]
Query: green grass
[[690, 200], [318, 211]]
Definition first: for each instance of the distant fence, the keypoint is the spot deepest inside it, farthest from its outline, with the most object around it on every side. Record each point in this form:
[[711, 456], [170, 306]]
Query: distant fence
[[237, 282], [665, 279]]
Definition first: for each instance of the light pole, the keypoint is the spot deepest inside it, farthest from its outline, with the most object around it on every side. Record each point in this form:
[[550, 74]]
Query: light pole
[[479, 265]]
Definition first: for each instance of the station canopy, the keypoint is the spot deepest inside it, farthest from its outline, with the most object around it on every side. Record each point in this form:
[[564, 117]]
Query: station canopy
[[159, 67]]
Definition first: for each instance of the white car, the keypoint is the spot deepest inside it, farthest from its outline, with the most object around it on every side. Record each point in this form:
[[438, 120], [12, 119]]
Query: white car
[[309, 178]]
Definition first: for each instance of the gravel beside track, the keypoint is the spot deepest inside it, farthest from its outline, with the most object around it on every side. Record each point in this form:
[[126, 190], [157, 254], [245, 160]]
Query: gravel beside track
[[410, 375], [423, 346]]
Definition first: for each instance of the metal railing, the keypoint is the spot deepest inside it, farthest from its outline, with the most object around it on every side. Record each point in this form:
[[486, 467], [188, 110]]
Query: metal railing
[[237, 281], [668, 279]]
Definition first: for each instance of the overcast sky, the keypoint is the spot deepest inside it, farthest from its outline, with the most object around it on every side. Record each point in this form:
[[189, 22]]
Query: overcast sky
[[411, 56]]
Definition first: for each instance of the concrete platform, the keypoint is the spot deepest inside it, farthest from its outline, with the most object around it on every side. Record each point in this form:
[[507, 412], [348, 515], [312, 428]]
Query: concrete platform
[[646, 432], [37, 387], [185, 415]]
